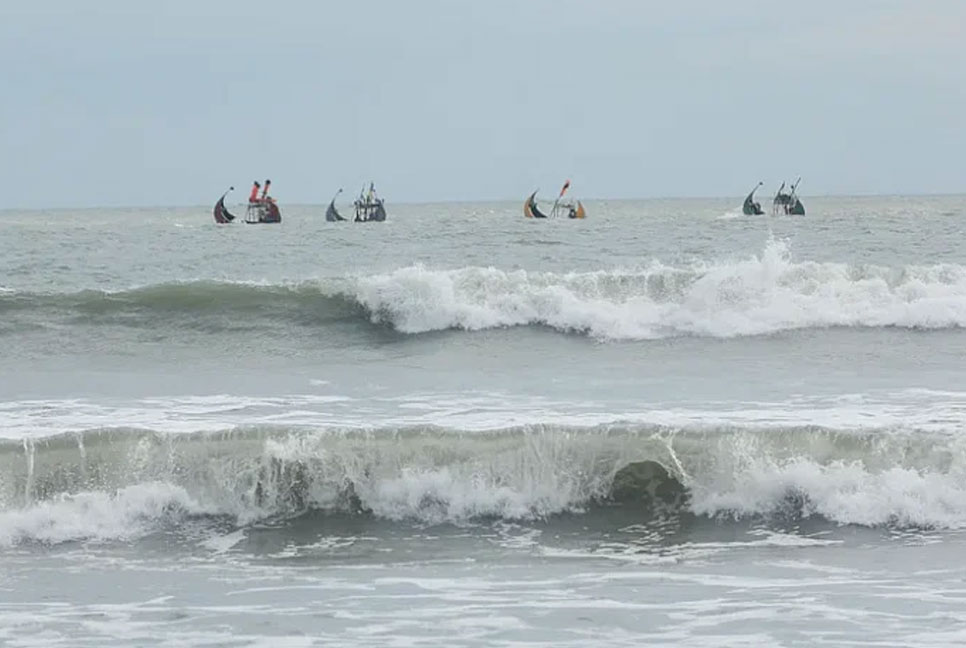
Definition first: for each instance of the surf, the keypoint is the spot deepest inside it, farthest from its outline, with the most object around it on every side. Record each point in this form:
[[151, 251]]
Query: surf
[[759, 295], [120, 482]]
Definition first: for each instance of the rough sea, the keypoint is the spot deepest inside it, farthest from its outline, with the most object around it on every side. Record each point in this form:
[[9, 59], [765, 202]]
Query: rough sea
[[668, 424]]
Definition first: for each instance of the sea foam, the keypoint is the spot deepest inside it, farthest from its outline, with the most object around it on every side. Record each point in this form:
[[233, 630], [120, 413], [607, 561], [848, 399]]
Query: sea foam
[[754, 296], [762, 294], [117, 484]]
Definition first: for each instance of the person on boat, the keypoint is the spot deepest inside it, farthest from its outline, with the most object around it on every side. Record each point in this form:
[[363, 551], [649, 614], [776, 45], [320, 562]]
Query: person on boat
[[253, 196]]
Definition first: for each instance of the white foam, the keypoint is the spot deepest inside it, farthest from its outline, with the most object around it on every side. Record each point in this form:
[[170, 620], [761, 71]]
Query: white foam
[[753, 296], [844, 492], [880, 458], [223, 542], [857, 477], [95, 516], [921, 409]]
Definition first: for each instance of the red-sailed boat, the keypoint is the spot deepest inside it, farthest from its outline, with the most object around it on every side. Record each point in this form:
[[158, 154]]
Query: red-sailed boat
[[264, 210]]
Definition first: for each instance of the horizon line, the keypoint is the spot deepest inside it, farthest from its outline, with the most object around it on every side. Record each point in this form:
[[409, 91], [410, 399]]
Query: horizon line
[[480, 200]]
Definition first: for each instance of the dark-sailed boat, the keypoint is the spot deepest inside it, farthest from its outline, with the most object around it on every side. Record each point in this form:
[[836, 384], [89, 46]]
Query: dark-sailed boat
[[788, 203], [369, 207], [332, 215], [220, 212], [752, 208], [571, 209]]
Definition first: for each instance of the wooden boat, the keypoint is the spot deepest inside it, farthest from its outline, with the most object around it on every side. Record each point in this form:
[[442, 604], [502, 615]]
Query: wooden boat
[[561, 208], [750, 207], [788, 203], [369, 207], [263, 211]]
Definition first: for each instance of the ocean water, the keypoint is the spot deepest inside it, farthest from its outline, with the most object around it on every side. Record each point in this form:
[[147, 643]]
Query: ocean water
[[667, 424]]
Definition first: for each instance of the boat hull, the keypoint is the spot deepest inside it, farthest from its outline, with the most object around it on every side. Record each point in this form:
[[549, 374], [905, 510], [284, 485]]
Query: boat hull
[[370, 212], [262, 213]]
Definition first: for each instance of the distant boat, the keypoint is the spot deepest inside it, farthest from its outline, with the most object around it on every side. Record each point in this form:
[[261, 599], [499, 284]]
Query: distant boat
[[788, 203], [369, 207], [560, 208], [752, 208], [332, 215], [262, 211]]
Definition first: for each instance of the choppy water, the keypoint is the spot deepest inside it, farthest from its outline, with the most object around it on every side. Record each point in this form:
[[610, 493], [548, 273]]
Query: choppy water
[[667, 424]]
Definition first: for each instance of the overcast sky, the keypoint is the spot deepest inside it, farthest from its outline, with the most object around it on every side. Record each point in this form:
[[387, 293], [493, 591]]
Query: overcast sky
[[120, 102]]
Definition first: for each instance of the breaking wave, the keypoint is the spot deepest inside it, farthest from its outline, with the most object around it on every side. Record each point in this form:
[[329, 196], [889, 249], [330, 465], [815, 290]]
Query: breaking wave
[[759, 295], [120, 483]]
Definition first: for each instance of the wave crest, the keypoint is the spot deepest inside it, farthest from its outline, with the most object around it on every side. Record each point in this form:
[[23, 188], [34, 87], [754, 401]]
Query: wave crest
[[114, 483], [760, 295], [763, 294]]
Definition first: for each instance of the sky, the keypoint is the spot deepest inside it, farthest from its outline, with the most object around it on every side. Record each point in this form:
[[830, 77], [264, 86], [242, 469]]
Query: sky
[[121, 103]]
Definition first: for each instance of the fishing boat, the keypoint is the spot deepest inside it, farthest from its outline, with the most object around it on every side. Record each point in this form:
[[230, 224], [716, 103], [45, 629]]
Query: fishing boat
[[561, 208], [788, 203], [332, 214], [750, 207], [369, 207], [263, 211], [220, 212], [259, 210]]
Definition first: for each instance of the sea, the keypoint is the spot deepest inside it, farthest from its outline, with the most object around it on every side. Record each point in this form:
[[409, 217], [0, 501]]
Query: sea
[[668, 424]]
